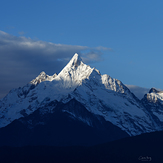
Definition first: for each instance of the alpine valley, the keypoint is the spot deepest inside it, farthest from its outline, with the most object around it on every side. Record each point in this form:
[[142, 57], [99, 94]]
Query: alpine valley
[[79, 106]]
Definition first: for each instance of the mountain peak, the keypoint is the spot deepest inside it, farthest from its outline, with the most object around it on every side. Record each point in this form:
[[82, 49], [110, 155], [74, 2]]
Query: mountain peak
[[75, 61], [42, 77], [77, 56], [42, 74], [153, 90], [74, 72]]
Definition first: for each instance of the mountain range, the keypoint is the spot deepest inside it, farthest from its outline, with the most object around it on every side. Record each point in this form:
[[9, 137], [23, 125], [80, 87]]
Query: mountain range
[[79, 106]]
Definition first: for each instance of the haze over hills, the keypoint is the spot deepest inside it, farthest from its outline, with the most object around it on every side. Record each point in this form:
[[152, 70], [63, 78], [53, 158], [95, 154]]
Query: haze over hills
[[79, 106]]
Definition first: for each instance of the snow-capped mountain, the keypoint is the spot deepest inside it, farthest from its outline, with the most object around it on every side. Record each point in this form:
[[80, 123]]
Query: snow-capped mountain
[[153, 101], [99, 95]]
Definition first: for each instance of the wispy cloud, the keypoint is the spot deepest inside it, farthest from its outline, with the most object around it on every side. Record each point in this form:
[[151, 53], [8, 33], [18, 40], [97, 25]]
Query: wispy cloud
[[21, 59], [21, 32], [138, 91]]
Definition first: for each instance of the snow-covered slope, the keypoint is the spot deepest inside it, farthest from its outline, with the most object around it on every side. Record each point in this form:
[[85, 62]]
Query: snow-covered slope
[[99, 94]]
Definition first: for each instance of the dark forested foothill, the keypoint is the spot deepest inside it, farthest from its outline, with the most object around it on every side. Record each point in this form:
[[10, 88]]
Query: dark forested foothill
[[142, 148]]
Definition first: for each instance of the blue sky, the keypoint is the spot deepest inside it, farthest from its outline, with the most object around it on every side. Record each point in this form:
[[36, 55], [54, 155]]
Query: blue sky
[[120, 38]]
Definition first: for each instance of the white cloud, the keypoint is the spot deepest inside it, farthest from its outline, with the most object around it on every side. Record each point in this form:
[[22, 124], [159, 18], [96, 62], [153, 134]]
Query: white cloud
[[3, 33], [103, 48]]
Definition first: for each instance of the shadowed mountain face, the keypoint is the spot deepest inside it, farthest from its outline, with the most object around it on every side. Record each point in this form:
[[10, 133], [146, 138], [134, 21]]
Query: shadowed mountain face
[[62, 126]]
